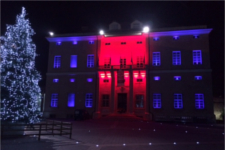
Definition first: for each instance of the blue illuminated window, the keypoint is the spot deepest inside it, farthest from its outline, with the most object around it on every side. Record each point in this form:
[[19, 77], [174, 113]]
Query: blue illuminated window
[[156, 78], [157, 101], [54, 100], [156, 59], [198, 77], [58, 43], [176, 37], [199, 101], [178, 102], [55, 80], [72, 80], [89, 79], [90, 61], [197, 57], [177, 78], [91, 42], [196, 36], [71, 100], [89, 100], [57, 62], [176, 58], [73, 61], [155, 38]]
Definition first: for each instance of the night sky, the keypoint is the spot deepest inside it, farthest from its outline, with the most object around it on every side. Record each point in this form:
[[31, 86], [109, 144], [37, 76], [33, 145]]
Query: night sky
[[70, 17]]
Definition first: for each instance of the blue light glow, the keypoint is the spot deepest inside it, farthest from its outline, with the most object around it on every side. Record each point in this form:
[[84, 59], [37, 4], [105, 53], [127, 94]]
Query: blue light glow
[[91, 42], [89, 79], [74, 42], [198, 77], [71, 100], [177, 78], [58, 43], [72, 80], [73, 61], [156, 78], [175, 37], [55, 80], [196, 36], [155, 38]]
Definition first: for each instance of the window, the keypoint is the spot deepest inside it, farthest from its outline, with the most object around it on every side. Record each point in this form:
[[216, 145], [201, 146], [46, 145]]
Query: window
[[107, 63], [55, 80], [122, 63], [156, 78], [54, 100], [123, 43], [73, 61], [140, 62], [156, 59], [105, 80], [139, 42], [139, 80], [89, 79], [88, 100], [177, 78], [71, 100], [155, 38], [90, 61], [195, 36], [178, 102], [198, 77], [105, 100], [197, 57], [120, 78], [58, 43], [176, 38], [91, 42], [176, 58], [107, 43], [199, 101], [139, 103], [57, 62], [157, 101], [72, 80]]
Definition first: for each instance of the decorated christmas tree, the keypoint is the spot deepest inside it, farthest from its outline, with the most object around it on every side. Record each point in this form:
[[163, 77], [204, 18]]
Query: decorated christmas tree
[[19, 78]]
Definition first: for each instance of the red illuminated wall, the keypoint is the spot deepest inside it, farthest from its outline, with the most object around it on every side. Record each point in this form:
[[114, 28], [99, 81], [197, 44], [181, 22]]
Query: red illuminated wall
[[116, 50]]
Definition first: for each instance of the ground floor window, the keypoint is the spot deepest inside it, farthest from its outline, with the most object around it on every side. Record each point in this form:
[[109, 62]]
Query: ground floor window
[[156, 100], [199, 101], [105, 100], [89, 100], [178, 102], [54, 100], [139, 102]]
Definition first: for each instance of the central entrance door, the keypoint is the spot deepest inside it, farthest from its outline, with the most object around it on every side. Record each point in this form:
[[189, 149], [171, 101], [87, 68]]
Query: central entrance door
[[122, 103]]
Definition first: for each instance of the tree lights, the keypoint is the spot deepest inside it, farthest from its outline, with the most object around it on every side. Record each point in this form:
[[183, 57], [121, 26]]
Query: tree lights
[[19, 78]]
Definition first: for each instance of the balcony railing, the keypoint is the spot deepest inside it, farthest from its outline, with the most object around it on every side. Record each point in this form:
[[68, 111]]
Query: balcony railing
[[137, 66]]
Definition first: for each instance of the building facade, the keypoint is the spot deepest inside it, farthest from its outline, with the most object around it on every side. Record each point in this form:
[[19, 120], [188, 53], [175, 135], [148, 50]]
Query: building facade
[[160, 75]]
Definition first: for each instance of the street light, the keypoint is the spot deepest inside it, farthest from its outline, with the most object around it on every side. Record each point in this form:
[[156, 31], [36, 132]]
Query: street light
[[101, 32], [146, 29], [51, 33]]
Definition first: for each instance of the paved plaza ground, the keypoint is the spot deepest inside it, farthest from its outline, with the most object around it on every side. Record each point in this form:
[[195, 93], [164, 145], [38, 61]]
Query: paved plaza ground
[[119, 133]]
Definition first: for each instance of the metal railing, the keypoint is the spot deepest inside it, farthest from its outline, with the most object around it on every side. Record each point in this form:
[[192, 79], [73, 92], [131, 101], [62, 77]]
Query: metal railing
[[48, 127], [140, 66]]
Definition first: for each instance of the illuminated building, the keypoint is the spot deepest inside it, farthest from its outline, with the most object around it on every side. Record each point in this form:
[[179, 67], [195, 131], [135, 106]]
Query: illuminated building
[[161, 74]]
